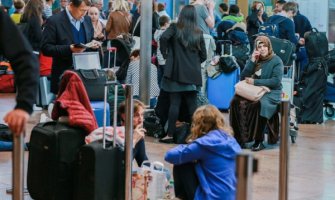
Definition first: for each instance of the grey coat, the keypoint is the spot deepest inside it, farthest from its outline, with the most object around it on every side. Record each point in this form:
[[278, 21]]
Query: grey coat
[[271, 76]]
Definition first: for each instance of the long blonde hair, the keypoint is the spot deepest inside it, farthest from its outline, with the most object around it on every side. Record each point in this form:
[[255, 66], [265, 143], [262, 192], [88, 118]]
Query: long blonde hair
[[121, 5], [205, 119]]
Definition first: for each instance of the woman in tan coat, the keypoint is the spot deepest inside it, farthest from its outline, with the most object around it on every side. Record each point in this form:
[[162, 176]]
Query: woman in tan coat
[[119, 20]]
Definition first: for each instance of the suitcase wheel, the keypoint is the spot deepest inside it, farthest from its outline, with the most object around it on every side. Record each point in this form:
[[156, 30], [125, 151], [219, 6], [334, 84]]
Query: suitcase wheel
[[293, 134], [329, 111]]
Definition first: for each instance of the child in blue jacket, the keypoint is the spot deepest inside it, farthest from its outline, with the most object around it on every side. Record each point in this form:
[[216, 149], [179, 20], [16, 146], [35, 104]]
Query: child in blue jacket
[[205, 167]]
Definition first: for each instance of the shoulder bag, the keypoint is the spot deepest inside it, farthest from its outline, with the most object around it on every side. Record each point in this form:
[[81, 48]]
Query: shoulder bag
[[250, 92]]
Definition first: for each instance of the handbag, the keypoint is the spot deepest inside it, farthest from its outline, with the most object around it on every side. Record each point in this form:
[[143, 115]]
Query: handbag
[[249, 91], [228, 63]]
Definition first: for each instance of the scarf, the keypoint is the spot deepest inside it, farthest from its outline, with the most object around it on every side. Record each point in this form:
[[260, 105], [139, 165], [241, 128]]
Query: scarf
[[266, 41]]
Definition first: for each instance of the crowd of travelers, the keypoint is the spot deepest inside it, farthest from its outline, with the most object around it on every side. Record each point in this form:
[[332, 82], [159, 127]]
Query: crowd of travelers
[[182, 49]]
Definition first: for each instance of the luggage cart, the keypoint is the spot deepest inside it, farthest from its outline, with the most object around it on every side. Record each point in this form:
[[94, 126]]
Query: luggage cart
[[288, 92]]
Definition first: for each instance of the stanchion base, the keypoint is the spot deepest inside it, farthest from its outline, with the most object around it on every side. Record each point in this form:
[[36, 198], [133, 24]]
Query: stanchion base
[[10, 191]]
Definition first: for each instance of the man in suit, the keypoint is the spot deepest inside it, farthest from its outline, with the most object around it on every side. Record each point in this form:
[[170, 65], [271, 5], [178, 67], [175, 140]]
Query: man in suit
[[64, 30], [18, 51]]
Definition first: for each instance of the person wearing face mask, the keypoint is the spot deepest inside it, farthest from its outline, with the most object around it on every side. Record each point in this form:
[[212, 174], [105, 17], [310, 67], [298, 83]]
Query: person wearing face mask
[[249, 118]]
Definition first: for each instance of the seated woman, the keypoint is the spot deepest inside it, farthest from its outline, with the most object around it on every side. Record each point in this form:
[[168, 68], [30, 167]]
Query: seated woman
[[247, 118], [139, 152], [205, 167]]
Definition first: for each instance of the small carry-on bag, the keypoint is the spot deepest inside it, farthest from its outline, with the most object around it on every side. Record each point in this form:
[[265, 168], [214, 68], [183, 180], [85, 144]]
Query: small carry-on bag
[[102, 165], [52, 156], [87, 66]]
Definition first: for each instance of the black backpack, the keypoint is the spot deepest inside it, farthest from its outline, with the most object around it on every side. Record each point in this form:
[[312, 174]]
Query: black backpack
[[316, 44]]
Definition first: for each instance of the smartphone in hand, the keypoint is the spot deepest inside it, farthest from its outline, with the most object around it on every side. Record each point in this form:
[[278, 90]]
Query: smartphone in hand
[[80, 46]]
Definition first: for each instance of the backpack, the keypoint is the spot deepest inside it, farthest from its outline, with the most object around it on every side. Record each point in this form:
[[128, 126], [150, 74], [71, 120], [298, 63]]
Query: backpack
[[271, 27], [316, 44], [238, 37]]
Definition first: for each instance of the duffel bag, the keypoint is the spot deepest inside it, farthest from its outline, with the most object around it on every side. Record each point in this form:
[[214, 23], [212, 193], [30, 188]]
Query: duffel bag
[[94, 81], [316, 44]]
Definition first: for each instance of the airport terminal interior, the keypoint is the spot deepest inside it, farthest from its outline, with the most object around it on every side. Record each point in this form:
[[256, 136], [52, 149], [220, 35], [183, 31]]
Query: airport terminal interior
[[311, 162]]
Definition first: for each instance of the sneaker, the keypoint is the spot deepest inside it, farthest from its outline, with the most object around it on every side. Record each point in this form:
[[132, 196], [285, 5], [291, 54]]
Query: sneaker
[[44, 118], [167, 139], [257, 146], [50, 108]]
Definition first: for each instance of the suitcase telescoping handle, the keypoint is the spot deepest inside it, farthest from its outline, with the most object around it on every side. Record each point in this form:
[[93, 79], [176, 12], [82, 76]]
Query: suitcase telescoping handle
[[223, 44], [109, 83], [128, 131], [18, 167], [111, 49]]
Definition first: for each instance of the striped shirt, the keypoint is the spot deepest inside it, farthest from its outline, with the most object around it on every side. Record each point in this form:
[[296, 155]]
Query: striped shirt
[[133, 77]]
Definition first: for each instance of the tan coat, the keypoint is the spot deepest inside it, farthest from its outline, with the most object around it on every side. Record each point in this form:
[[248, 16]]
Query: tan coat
[[118, 22]]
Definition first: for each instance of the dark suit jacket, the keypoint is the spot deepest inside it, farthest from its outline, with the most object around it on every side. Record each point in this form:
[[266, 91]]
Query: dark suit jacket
[[56, 40]]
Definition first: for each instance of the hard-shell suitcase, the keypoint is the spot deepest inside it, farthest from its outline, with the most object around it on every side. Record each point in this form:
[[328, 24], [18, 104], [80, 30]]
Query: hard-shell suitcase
[[101, 168], [284, 49], [52, 155], [221, 90], [98, 110]]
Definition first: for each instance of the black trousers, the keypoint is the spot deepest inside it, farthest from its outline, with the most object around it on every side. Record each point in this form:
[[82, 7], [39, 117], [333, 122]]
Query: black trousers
[[185, 181], [176, 98]]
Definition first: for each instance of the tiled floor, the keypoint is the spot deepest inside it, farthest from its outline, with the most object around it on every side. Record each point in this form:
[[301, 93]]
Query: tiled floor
[[311, 164]]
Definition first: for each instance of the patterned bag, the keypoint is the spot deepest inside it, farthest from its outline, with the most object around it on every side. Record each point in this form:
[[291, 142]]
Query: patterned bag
[[149, 182]]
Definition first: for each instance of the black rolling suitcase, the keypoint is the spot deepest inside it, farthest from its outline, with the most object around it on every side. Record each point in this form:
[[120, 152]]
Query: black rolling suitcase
[[101, 169], [52, 157]]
